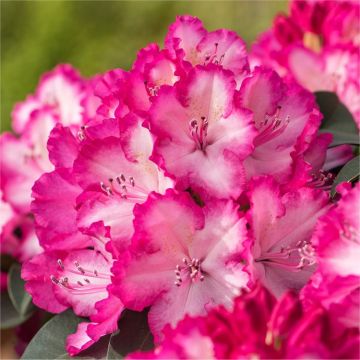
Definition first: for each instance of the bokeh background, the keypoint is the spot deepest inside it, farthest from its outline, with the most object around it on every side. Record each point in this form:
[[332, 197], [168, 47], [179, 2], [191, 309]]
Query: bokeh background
[[96, 36]]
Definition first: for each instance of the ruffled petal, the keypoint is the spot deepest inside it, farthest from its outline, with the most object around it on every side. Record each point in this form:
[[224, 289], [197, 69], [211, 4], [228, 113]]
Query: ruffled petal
[[62, 146], [80, 340], [55, 216]]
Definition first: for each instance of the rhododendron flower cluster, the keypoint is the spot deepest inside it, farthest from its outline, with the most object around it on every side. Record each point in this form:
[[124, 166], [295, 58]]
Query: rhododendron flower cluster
[[59, 99], [192, 188], [317, 44], [258, 327]]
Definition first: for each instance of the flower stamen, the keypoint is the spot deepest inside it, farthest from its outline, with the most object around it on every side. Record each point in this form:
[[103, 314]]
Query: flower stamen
[[190, 269]]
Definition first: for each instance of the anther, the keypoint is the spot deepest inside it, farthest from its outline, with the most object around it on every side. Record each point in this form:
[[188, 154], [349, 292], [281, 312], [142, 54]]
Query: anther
[[193, 123], [60, 263], [132, 181], [54, 280], [106, 189], [79, 267]]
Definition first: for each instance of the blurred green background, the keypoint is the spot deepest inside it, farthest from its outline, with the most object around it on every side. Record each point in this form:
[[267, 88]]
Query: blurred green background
[[96, 36]]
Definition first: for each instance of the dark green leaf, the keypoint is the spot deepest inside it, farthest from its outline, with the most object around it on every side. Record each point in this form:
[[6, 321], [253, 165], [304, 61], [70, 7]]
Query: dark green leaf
[[133, 335], [349, 173], [111, 353], [337, 119], [328, 102], [19, 297], [49, 342], [9, 315]]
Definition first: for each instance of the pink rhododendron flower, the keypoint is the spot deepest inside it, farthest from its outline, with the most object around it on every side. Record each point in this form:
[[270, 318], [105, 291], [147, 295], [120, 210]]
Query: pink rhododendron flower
[[24, 158], [122, 92], [116, 174], [61, 91], [184, 263], [286, 118], [281, 253], [77, 278], [317, 45], [190, 42], [58, 99], [100, 176], [336, 69], [260, 327], [80, 279], [187, 44], [201, 132], [336, 283]]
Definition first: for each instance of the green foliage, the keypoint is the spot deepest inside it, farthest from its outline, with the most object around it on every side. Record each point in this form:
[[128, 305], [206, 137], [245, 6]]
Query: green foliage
[[9, 315], [96, 36], [49, 342], [133, 335], [16, 305], [337, 119], [20, 298], [350, 172]]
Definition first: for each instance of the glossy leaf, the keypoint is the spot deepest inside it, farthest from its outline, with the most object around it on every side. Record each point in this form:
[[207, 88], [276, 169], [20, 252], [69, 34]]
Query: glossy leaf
[[10, 317], [337, 119], [111, 352], [349, 173], [20, 298], [133, 335], [49, 342]]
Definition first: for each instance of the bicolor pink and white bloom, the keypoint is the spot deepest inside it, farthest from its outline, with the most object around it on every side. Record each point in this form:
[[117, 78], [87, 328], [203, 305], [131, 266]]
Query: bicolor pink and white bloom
[[24, 158], [58, 99], [80, 279], [282, 330], [336, 283], [17, 233], [188, 41], [115, 174], [280, 253], [184, 263], [61, 92], [121, 92], [187, 44], [286, 118], [318, 46], [201, 132]]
